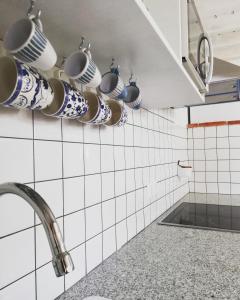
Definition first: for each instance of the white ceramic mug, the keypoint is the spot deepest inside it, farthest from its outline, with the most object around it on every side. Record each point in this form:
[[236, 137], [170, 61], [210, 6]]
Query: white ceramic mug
[[133, 98], [112, 85], [80, 67], [68, 102], [21, 86], [99, 112], [25, 40], [119, 113]]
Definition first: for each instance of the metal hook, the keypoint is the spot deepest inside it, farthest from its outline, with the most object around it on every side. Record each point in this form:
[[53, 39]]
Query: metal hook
[[82, 42], [31, 7], [112, 64], [30, 10], [63, 61], [131, 78]]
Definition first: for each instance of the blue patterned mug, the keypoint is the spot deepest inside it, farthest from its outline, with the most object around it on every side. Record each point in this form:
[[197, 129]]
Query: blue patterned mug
[[99, 112], [119, 115], [22, 87], [112, 85], [68, 101], [133, 98], [26, 41]]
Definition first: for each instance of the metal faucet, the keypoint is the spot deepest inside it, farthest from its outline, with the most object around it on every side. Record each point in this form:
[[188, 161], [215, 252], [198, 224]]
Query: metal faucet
[[62, 261]]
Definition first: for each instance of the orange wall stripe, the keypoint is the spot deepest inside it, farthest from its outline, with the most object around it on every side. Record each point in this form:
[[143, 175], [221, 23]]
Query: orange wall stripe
[[211, 124]]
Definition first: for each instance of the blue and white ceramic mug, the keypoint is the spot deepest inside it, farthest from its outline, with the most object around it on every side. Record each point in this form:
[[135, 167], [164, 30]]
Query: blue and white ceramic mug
[[80, 67], [99, 112], [119, 115], [133, 98], [112, 85], [68, 102], [25, 40], [22, 87]]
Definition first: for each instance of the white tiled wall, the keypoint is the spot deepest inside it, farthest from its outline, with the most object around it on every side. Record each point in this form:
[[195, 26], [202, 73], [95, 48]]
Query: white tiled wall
[[214, 153], [104, 185]]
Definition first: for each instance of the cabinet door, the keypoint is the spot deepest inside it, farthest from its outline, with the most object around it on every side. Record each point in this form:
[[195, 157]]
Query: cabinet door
[[167, 15]]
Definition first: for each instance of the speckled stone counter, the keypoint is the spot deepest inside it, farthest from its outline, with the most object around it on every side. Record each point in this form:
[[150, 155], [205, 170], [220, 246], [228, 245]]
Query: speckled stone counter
[[168, 263]]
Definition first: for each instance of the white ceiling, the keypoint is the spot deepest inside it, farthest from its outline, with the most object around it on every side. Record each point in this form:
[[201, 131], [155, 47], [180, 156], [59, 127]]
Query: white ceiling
[[221, 19]]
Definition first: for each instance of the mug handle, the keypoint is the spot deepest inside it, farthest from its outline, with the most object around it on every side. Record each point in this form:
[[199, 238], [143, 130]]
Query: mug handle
[[87, 51], [36, 20], [58, 74]]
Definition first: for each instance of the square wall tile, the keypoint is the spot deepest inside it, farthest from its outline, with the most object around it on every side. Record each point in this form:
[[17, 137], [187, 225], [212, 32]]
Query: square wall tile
[[108, 213], [129, 157], [222, 131], [223, 153], [210, 132], [107, 158], [234, 142], [107, 185], [121, 232], [16, 123], [129, 135], [224, 177], [121, 208], [131, 225], [72, 131], [73, 194], [78, 256], [235, 177], [91, 134], [17, 166], [46, 278], [235, 189], [109, 242], [73, 159], [223, 142], [12, 248], [48, 160], [234, 130], [130, 180], [235, 165], [93, 220], [24, 287], [119, 158], [224, 188], [200, 187], [92, 158], [223, 165], [131, 203], [120, 184], [119, 136], [92, 189], [140, 221], [74, 229], [47, 128], [21, 208], [210, 143], [106, 135], [94, 252], [212, 188], [52, 193]]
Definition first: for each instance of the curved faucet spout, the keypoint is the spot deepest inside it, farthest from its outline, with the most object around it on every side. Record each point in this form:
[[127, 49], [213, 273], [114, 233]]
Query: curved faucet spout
[[62, 261]]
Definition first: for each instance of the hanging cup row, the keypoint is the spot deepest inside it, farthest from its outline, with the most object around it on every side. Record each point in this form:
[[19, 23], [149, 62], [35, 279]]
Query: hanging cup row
[[22, 86]]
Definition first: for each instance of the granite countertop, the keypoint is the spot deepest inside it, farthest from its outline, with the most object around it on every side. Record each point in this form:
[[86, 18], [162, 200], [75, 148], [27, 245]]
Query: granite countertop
[[165, 262]]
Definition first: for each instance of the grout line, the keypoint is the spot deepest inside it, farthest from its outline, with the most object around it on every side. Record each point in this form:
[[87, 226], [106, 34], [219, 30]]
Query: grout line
[[35, 232], [63, 195]]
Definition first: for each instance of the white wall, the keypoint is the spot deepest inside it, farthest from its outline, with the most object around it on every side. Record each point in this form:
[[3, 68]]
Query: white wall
[[104, 185], [215, 112], [214, 153]]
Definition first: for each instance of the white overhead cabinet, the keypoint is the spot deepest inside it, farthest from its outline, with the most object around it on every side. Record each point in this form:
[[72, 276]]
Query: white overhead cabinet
[[144, 41]]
